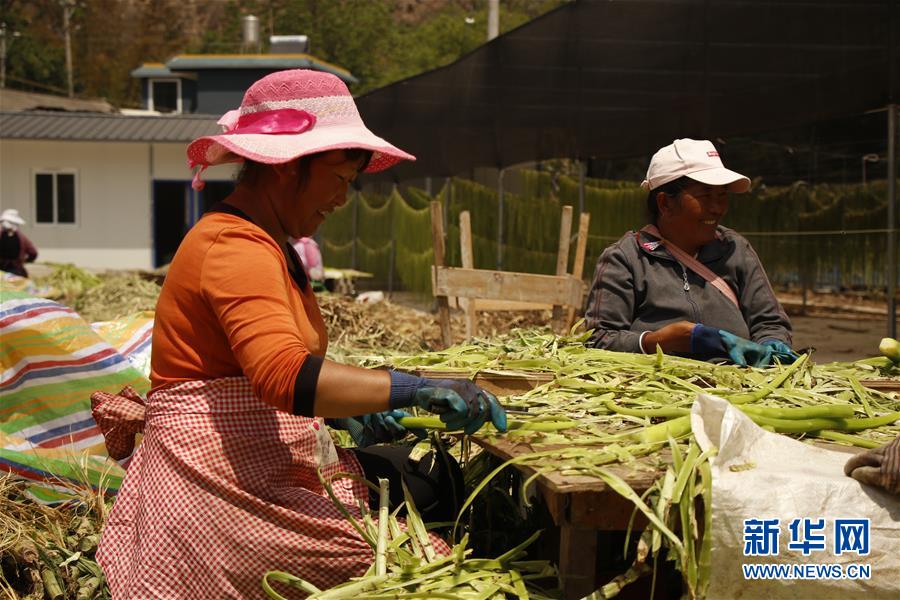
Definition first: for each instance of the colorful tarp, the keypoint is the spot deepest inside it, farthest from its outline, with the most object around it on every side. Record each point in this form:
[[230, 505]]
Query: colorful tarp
[[51, 361]]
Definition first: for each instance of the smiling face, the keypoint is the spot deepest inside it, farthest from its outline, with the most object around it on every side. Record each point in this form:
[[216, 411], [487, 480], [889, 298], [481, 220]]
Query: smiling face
[[690, 218], [313, 189]]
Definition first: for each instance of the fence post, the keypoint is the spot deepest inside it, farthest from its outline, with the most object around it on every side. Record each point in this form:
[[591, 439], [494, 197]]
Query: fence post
[[582, 167], [500, 219]]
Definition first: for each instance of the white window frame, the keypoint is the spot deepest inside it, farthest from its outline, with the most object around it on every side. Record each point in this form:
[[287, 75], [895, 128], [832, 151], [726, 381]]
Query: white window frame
[[75, 191], [152, 80]]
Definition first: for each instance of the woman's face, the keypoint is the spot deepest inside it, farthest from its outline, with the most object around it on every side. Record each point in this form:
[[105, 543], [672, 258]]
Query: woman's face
[[305, 203], [696, 212]]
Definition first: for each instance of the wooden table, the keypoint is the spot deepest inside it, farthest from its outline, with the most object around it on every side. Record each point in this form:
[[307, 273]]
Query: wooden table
[[581, 507]]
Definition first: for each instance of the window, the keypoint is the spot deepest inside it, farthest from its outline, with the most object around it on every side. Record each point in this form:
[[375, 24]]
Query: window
[[165, 95], [54, 197]]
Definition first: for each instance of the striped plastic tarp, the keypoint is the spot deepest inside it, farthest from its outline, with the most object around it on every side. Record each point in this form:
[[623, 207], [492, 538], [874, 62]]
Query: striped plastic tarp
[[51, 361], [131, 336]]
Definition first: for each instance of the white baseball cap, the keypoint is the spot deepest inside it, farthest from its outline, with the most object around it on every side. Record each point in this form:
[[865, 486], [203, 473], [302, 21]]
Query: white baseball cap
[[697, 159]]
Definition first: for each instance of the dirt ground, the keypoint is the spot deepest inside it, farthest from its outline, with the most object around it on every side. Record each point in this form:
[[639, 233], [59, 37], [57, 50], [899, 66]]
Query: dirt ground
[[839, 338]]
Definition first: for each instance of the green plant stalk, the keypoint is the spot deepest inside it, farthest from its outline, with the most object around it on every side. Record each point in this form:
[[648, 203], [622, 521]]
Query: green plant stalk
[[559, 424], [664, 412], [830, 411], [676, 428], [772, 385], [855, 440]]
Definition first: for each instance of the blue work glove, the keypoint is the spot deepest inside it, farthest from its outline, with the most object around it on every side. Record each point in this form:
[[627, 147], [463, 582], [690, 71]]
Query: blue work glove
[[781, 351], [707, 342], [460, 403], [375, 428]]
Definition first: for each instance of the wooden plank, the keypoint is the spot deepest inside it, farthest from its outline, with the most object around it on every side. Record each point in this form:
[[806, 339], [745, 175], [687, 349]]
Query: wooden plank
[[468, 262], [577, 561], [495, 305], [437, 238], [500, 285], [562, 256], [584, 222], [565, 232], [882, 385]]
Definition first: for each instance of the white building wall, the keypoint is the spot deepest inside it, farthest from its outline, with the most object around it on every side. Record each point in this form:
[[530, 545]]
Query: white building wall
[[114, 204]]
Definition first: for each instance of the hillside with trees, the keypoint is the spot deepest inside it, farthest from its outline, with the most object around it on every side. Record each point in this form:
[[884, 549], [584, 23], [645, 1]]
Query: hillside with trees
[[379, 41]]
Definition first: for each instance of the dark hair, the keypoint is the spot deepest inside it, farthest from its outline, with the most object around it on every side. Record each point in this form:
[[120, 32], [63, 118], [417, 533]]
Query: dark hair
[[251, 169], [673, 188]]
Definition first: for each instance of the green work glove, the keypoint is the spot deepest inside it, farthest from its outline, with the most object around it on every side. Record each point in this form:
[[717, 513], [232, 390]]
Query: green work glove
[[708, 342], [781, 351], [744, 352], [376, 428], [460, 403]]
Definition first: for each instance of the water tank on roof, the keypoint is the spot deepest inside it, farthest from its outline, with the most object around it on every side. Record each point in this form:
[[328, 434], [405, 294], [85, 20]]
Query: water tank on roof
[[249, 34], [288, 44]]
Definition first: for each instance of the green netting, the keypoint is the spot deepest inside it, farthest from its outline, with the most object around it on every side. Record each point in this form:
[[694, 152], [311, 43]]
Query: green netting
[[395, 230]]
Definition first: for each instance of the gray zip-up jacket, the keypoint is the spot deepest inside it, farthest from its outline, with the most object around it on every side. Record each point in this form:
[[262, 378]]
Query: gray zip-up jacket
[[638, 286]]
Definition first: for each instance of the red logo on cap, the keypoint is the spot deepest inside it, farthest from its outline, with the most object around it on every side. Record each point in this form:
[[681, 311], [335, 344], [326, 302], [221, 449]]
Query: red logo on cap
[[712, 153]]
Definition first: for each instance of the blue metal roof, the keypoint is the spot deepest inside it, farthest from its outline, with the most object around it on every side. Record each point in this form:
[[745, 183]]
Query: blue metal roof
[[275, 62]]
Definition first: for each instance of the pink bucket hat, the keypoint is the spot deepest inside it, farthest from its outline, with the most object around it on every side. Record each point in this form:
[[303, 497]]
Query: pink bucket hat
[[287, 115]]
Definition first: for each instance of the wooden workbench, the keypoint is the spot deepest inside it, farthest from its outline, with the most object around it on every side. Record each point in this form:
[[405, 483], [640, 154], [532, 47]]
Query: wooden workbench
[[581, 507]]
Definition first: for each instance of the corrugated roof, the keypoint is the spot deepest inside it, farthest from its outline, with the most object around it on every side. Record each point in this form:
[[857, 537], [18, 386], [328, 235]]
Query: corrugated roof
[[105, 128], [256, 61], [16, 100]]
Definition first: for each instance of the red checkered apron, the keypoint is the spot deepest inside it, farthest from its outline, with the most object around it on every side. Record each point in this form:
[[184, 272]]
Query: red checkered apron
[[222, 489]]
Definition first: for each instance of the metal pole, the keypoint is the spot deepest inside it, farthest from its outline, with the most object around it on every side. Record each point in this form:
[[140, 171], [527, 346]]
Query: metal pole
[[68, 5], [355, 229], [2, 55], [892, 219], [493, 19], [393, 252], [500, 219]]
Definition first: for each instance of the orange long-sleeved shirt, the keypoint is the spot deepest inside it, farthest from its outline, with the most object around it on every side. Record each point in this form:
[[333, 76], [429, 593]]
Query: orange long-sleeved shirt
[[229, 307]]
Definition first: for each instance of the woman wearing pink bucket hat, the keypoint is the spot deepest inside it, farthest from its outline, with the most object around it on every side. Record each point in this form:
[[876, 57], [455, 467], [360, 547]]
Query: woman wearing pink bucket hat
[[684, 282], [224, 486]]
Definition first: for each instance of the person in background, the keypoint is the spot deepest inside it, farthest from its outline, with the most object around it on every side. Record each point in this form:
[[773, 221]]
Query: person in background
[[311, 257], [225, 485], [15, 248], [684, 282]]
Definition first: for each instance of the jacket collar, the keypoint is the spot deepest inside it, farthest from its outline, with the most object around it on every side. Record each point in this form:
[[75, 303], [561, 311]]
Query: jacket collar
[[711, 252]]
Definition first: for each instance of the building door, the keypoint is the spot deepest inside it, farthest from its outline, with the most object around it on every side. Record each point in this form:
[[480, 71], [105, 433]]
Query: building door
[[176, 207], [172, 217]]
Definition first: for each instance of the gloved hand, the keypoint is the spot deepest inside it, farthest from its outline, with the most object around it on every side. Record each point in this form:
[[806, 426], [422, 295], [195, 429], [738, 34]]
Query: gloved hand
[[781, 351], [707, 342], [375, 428], [460, 403], [879, 467]]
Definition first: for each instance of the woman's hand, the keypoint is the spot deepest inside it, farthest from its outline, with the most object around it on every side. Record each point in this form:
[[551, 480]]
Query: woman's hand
[[461, 404], [675, 337], [376, 428]]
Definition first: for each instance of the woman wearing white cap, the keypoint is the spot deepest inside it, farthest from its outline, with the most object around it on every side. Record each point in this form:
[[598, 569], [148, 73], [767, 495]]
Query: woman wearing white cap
[[225, 484], [15, 248], [684, 282]]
